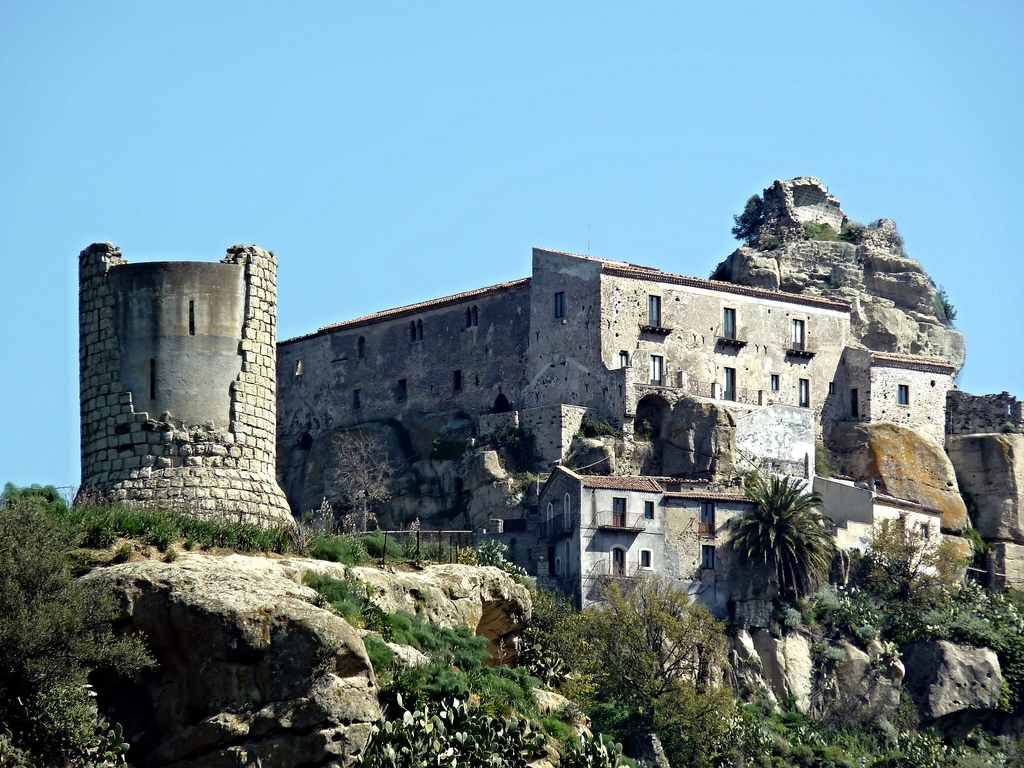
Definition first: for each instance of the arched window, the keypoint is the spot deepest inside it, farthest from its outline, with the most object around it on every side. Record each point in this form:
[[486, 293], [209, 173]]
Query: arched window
[[501, 404], [565, 511], [419, 330], [361, 347], [558, 566], [551, 510], [412, 330], [469, 318], [474, 317]]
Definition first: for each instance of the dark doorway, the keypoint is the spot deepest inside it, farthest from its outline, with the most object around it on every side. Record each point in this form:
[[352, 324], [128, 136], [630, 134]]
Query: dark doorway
[[501, 404]]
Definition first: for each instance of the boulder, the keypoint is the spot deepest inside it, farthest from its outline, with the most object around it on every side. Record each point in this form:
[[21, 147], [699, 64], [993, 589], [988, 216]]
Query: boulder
[[700, 440], [863, 685], [944, 678], [490, 601], [787, 666], [746, 665], [990, 467], [593, 454], [910, 465], [250, 671]]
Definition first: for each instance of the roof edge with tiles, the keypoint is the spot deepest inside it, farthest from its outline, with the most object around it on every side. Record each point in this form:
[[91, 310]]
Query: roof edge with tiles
[[618, 269], [911, 362], [413, 309]]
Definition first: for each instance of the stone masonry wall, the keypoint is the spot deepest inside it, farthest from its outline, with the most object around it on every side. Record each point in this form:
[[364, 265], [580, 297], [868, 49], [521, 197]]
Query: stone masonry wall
[[130, 455], [968, 414]]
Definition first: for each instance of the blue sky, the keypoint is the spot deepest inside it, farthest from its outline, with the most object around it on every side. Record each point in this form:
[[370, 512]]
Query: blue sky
[[395, 152]]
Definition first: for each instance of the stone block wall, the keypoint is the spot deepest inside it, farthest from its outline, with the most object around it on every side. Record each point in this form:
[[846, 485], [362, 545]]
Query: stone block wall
[[968, 414], [200, 467], [554, 427]]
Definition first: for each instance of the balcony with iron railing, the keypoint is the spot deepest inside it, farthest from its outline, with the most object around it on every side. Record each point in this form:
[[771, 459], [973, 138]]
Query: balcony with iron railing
[[800, 348], [607, 569], [556, 527], [625, 521], [731, 336], [706, 530]]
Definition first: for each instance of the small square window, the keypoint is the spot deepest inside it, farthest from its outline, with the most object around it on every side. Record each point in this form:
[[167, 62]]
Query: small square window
[[623, 359], [774, 382], [645, 558], [707, 557], [903, 394], [649, 510], [560, 304], [357, 399]]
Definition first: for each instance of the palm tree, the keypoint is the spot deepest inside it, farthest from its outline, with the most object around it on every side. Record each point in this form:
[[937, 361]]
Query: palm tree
[[787, 531]]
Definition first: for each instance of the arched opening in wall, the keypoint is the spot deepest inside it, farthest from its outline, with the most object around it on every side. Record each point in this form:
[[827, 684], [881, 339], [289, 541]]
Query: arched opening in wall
[[501, 404], [306, 441], [650, 425]]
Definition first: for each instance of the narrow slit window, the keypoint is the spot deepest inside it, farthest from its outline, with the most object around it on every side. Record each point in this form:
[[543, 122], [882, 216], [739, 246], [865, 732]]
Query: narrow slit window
[[729, 392], [774, 382], [152, 379], [191, 318], [456, 380], [357, 399], [903, 394], [560, 304], [805, 393], [656, 370], [361, 347], [729, 323], [654, 311]]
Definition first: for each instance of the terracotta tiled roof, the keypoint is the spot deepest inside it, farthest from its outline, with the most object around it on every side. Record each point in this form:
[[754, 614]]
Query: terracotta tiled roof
[[916, 362], [706, 495], [617, 482], [413, 309], [637, 272]]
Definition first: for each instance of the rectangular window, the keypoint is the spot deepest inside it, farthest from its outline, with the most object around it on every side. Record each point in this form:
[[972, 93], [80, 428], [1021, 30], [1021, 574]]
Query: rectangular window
[[654, 311], [903, 394], [854, 404], [798, 334], [707, 557], [191, 318], [623, 359], [560, 304], [831, 387], [456, 380], [729, 323], [656, 370], [551, 561], [774, 382], [645, 558], [649, 510], [619, 513], [805, 393], [403, 389], [707, 513], [729, 393], [357, 399]]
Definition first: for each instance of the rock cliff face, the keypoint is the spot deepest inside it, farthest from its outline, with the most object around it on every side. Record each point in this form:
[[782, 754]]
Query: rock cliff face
[[910, 465], [944, 678], [991, 468], [893, 299], [252, 672]]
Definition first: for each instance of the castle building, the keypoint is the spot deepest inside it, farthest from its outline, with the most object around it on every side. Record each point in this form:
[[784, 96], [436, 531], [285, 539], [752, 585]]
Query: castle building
[[177, 383], [624, 343]]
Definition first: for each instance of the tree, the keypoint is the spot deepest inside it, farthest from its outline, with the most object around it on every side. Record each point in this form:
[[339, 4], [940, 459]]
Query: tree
[[54, 630], [748, 224], [659, 659], [787, 532], [361, 476]]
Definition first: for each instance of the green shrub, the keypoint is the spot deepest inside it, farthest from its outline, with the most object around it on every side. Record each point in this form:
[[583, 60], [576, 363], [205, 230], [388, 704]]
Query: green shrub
[[340, 549], [517, 444], [851, 232], [943, 310], [598, 428], [448, 449], [452, 734], [769, 243], [54, 629], [492, 552], [374, 544], [381, 657], [815, 231]]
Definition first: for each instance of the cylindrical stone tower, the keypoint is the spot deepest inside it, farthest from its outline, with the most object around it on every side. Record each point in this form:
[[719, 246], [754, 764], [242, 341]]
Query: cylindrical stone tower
[[178, 386]]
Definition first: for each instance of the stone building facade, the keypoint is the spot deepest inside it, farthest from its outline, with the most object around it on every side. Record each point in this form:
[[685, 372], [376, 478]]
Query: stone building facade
[[178, 385]]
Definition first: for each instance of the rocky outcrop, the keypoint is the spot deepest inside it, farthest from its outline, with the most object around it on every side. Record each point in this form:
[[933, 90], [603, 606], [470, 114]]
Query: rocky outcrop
[[250, 671], [944, 678], [863, 685], [909, 465], [487, 599], [990, 467], [893, 300], [594, 454], [699, 441], [786, 665]]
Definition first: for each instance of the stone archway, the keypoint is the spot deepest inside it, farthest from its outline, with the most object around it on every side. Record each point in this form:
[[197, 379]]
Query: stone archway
[[653, 415], [501, 404]]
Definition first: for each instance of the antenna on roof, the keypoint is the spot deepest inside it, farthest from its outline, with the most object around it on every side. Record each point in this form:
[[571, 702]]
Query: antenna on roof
[[588, 238]]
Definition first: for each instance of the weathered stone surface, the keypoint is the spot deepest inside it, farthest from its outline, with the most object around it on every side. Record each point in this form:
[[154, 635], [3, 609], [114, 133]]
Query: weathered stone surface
[[910, 465], [893, 298], [1006, 565], [746, 665], [991, 468], [861, 686], [944, 678], [595, 455], [250, 671], [787, 666], [487, 599], [700, 440]]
